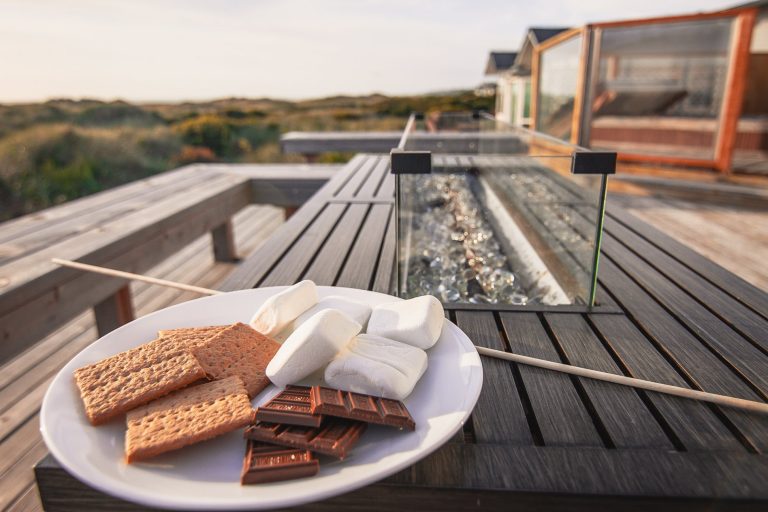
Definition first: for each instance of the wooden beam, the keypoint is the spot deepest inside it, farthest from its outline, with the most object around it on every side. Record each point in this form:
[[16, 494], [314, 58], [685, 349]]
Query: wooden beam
[[663, 159], [114, 311], [559, 38], [673, 19], [223, 237], [734, 90], [535, 64], [581, 85]]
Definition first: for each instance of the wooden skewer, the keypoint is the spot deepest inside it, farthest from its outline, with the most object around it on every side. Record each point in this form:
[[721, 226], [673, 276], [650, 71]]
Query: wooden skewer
[[693, 394], [137, 277], [729, 401]]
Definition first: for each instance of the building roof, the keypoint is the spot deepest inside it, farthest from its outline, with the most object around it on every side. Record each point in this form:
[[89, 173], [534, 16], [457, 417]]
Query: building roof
[[499, 61], [534, 36], [542, 34]]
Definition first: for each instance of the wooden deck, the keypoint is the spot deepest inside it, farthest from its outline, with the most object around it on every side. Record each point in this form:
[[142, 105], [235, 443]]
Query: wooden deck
[[536, 438], [540, 439], [24, 379], [733, 235]]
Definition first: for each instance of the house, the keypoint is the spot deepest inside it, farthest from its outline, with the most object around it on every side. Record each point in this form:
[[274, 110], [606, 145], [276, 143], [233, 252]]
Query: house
[[513, 71], [684, 90]]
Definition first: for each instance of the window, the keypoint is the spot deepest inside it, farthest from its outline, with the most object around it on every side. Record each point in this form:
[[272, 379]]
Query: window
[[558, 79], [659, 87]]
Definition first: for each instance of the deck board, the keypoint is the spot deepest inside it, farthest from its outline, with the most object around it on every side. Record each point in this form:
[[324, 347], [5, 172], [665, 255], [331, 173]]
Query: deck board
[[738, 316], [622, 413], [715, 272], [327, 265], [693, 423], [24, 379], [709, 328], [359, 269], [560, 414], [698, 365], [499, 416]]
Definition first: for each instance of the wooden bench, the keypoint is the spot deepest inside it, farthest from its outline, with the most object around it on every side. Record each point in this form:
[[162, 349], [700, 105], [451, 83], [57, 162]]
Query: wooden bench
[[132, 227], [25, 378]]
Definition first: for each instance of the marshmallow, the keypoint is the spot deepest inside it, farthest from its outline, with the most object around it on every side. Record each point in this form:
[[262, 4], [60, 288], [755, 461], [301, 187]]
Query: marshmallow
[[417, 321], [281, 309], [376, 366], [357, 311], [311, 346]]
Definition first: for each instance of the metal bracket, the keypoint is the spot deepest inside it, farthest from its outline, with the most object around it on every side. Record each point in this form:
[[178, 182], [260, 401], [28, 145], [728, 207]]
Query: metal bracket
[[589, 162], [410, 162]]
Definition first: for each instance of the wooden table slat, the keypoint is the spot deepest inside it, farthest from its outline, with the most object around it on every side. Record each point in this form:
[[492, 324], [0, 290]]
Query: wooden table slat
[[358, 178], [326, 266], [585, 471], [725, 307], [372, 184], [690, 357], [289, 269], [384, 280], [387, 189], [625, 417], [499, 416], [727, 281], [731, 346], [560, 414], [692, 422], [257, 265], [360, 267]]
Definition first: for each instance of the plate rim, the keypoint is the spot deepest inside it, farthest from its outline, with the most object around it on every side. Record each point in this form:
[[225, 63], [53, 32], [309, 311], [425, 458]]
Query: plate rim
[[123, 490]]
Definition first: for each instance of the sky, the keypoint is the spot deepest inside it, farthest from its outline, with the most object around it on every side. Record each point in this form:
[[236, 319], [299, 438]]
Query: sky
[[173, 50]]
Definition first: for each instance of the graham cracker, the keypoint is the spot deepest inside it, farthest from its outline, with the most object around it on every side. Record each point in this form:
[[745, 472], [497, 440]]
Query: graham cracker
[[132, 378], [192, 334], [186, 417], [238, 350]]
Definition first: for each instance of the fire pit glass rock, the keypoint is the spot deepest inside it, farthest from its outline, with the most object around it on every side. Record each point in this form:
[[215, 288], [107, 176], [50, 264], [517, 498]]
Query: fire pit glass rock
[[454, 253]]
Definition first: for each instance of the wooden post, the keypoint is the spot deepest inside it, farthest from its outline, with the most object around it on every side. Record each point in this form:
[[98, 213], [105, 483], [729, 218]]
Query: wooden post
[[289, 211], [582, 82], [534, 107], [735, 86], [114, 311], [224, 242]]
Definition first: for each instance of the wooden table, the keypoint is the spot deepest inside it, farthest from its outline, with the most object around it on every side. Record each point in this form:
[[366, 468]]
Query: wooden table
[[537, 438]]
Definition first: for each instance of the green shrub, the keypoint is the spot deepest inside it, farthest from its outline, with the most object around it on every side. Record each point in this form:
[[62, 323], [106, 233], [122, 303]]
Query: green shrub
[[210, 131]]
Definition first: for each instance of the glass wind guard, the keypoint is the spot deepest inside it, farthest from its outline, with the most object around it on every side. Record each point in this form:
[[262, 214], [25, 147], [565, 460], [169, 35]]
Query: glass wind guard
[[506, 224]]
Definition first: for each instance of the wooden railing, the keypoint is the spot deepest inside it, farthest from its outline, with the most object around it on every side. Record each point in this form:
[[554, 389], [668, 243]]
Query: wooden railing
[[131, 228]]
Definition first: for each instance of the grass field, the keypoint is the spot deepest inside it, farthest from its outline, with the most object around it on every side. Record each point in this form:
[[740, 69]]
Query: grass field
[[59, 150]]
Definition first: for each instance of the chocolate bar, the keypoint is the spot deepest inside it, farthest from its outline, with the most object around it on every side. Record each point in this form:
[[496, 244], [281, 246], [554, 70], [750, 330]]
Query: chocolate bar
[[356, 406], [335, 437], [269, 463], [289, 407]]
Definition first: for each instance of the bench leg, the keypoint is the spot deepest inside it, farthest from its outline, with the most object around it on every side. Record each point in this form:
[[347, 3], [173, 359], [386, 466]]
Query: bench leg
[[114, 311], [224, 243]]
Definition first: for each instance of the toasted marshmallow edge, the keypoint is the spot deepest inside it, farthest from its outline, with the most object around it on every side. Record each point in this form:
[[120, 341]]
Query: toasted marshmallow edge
[[377, 366], [418, 321], [311, 346], [283, 308]]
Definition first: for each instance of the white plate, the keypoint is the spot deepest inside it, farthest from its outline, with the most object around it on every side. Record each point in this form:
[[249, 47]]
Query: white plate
[[207, 475]]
